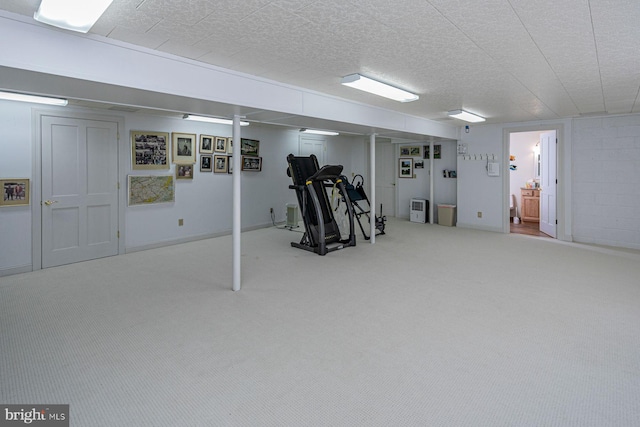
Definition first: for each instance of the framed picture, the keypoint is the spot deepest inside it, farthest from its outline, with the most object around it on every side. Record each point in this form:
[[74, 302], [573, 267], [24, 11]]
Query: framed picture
[[206, 144], [229, 145], [249, 147], [413, 150], [205, 163], [184, 171], [184, 148], [437, 149], [151, 189], [15, 192], [229, 164], [419, 164], [251, 163], [221, 145], [149, 150], [405, 169], [220, 164], [426, 152]]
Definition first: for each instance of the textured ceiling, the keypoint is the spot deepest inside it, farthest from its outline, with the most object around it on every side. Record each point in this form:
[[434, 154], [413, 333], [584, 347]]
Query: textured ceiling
[[507, 60]]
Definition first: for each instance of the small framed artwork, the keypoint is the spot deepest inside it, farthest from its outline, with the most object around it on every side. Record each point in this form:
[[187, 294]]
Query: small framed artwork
[[410, 150], [147, 190], [249, 147], [437, 149], [251, 163], [405, 169], [426, 152], [206, 144], [205, 163], [184, 148], [184, 171], [15, 192], [221, 144], [419, 164], [229, 145], [149, 150], [220, 164], [229, 164]]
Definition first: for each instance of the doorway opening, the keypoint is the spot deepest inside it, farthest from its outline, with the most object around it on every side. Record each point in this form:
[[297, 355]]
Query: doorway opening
[[532, 182]]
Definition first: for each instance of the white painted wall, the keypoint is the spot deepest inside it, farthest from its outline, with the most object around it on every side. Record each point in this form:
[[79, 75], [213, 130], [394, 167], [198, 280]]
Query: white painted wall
[[204, 203], [606, 190], [15, 162], [444, 190]]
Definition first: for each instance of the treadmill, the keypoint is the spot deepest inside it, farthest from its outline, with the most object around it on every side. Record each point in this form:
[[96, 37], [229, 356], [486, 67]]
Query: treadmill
[[322, 234]]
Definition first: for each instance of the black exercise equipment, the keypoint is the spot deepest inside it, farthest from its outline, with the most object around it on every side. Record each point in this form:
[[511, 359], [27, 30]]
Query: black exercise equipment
[[362, 206], [321, 234]]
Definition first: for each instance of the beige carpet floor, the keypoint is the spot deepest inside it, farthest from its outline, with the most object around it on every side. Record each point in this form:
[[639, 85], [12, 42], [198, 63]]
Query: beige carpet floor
[[431, 326]]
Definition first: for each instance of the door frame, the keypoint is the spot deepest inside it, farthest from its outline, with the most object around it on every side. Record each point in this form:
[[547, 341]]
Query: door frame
[[563, 175], [36, 166]]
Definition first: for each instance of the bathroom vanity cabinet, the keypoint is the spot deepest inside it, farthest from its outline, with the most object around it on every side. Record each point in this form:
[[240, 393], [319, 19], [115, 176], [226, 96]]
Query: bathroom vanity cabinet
[[530, 204]]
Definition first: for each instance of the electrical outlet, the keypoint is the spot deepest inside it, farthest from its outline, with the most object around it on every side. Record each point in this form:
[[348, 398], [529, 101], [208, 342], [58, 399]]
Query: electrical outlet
[[479, 214], [180, 222]]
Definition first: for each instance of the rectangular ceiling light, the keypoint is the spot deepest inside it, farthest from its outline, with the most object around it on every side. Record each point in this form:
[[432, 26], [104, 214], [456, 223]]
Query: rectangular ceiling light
[[74, 15], [466, 116], [378, 88], [320, 132], [212, 120], [11, 96]]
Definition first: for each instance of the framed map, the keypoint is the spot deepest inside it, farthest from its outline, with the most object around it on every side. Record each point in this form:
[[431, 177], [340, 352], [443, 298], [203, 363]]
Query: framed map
[[151, 189]]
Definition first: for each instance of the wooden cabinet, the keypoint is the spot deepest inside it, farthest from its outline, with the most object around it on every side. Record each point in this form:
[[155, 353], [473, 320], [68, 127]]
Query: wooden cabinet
[[530, 204]]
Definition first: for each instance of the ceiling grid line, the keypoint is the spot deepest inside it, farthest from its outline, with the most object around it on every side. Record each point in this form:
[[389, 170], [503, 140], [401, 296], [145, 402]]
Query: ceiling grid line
[[595, 45]]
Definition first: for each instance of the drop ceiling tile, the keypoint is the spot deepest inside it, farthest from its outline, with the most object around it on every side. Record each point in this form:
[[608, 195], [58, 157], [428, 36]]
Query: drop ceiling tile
[[188, 12], [180, 49], [21, 7], [124, 14]]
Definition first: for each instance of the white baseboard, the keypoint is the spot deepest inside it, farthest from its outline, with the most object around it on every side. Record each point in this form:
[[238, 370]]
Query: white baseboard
[[480, 227], [9, 271]]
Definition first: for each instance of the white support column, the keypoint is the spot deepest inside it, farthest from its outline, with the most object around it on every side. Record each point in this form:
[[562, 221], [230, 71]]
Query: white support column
[[237, 219], [372, 178], [431, 181]]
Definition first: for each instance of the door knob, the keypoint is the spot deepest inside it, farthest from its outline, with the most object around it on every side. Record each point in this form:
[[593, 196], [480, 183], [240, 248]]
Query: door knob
[[50, 202]]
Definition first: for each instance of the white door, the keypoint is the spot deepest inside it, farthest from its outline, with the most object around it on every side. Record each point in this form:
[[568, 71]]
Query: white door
[[385, 179], [79, 190], [548, 183], [310, 145]]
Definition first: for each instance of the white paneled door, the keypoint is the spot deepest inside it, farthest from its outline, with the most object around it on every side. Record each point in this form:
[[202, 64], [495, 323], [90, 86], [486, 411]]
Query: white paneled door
[[548, 183], [385, 179], [79, 189]]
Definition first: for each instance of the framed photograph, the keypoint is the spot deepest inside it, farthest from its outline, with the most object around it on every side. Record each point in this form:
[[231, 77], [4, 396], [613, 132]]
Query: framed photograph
[[229, 145], [426, 152], [205, 163], [149, 150], [437, 149], [206, 144], [221, 145], [413, 150], [251, 163], [405, 167], [419, 164], [184, 148], [220, 164], [229, 164], [184, 171], [249, 147], [15, 192], [151, 189]]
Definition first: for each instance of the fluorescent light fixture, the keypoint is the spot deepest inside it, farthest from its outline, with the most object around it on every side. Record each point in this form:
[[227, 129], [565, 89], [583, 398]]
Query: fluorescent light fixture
[[212, 120], [466, 116], [74, 15], [12, 96], [319, 132], [378, 88]]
